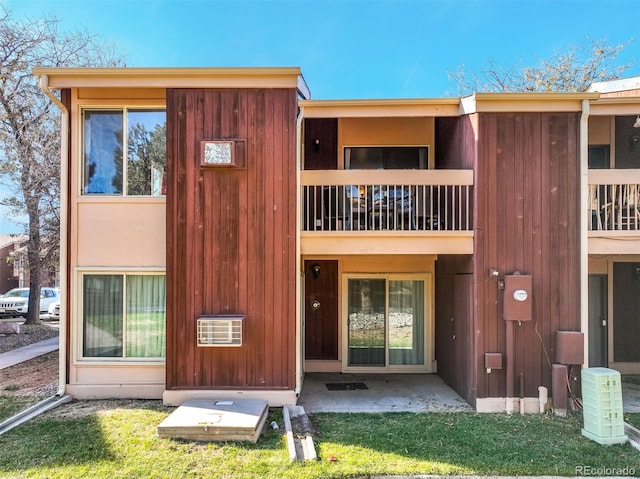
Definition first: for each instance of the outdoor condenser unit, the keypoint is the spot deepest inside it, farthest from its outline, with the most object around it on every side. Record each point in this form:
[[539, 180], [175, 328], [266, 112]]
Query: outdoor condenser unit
[[602, 406], [220, 331]]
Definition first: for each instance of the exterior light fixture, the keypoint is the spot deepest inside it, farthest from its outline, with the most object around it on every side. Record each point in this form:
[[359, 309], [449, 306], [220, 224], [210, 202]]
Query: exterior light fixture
[[316, 271]]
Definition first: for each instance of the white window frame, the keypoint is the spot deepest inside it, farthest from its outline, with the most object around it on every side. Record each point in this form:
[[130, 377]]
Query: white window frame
[[429, 331], [124, 108], [78, 317]]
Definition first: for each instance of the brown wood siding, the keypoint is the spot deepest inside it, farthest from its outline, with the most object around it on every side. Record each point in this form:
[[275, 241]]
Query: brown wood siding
[[231, 237], [455, 322], [455, 308], [321, 144], [527, 220], [455, 143]]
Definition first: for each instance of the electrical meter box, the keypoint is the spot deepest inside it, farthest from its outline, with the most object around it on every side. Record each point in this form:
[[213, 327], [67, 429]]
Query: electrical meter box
[[602, 406], [518, 297]]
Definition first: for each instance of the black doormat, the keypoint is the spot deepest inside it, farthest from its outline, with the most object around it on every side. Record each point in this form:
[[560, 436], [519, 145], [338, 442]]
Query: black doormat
[[345, 386]]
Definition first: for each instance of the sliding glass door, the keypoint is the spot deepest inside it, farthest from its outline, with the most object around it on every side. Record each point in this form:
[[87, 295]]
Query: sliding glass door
[[366, 322], [386, 322]]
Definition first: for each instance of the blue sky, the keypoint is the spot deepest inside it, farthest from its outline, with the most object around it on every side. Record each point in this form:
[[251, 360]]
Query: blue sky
[[348, 48]]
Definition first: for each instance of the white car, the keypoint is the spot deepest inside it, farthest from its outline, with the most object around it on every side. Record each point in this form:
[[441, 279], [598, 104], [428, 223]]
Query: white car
[[16, 301], [54, 310]]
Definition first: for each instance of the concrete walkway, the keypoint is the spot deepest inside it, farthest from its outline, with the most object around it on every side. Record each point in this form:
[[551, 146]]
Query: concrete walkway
[[16, 356]]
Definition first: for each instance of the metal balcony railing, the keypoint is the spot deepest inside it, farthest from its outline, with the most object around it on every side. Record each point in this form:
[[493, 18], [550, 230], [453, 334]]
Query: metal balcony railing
[[387, 200]]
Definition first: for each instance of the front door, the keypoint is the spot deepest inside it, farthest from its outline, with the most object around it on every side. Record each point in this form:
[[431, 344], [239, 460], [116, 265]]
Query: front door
[[387, 319], [321, 310]]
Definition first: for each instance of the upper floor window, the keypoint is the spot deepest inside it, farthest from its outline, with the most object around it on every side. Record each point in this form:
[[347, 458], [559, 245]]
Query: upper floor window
[[386, 158], [107, 170]]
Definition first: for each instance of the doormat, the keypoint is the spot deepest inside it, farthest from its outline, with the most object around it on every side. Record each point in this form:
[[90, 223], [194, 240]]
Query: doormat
[[345, 386]]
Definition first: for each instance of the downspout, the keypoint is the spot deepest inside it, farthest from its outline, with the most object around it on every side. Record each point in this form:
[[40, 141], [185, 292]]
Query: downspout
[[584, 222], [298, 291], [43, 83]]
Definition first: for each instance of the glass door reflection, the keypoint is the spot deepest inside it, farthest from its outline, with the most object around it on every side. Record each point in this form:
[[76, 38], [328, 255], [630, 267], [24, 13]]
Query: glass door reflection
[[366, 322]]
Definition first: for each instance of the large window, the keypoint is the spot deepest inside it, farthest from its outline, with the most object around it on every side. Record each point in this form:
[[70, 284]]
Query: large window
[[123, 316], [386, 158], [112, 169]]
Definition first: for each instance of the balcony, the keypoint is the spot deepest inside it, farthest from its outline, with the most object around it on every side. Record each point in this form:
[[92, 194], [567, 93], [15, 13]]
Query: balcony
[[614, 202], [614, 211], [394, 209]]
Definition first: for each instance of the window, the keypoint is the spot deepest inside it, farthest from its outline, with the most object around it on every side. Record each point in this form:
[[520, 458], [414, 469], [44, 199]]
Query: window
[[107, 171], [123, 316], [387, 158], [599, 157]]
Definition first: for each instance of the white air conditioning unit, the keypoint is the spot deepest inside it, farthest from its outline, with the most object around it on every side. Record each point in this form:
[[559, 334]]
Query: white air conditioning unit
[[219, 331]]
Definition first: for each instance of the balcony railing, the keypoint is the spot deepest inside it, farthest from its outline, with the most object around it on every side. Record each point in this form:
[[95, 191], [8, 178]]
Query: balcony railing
[[387, 200], [614, 200]]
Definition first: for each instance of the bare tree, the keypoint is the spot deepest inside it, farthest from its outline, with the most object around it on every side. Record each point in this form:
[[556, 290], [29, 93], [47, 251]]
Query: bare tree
[[30, 130], [571, 70]]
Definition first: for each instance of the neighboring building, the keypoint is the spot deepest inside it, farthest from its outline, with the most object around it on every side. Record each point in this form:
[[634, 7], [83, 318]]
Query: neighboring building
[[288, 236], [13, 270]]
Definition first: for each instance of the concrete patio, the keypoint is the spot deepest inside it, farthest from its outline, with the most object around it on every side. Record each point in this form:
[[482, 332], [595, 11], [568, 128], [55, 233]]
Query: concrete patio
[[384, 393], [406, 393]]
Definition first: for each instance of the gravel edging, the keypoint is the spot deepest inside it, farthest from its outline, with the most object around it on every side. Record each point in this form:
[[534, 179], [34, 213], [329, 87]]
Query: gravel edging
[[29, 334]]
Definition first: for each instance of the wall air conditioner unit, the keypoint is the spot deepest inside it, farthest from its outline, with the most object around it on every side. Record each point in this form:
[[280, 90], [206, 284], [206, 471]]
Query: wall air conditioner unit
[[219, 331]]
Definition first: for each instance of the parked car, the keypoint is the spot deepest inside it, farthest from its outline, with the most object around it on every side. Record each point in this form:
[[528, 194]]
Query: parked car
[[16, 301], [54, 310]]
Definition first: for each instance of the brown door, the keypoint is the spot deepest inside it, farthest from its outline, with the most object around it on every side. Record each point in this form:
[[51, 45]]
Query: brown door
[[321, 309]]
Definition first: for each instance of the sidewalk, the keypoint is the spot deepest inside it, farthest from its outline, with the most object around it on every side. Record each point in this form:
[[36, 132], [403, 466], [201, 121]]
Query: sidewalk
[[16, 356]]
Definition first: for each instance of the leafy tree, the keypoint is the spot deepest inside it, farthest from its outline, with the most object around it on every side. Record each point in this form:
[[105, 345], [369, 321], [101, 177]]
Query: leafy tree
[[571, 70], [30, 130]]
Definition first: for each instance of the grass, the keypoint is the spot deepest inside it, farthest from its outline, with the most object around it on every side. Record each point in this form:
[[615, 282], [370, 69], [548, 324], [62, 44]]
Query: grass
[[10, 406], [121, 443]]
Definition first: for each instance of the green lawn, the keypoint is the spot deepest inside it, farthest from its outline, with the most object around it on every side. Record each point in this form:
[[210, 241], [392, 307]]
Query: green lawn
[[120, 442]]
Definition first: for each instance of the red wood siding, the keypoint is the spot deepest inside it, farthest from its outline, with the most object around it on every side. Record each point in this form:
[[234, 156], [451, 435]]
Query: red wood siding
[[321, 144], [455, 323], [455, 143], [527, 219], [231, 237], [455, 307]]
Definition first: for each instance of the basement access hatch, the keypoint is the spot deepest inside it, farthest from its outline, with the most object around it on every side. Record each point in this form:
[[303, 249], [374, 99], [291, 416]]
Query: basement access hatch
[[216, 420]]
